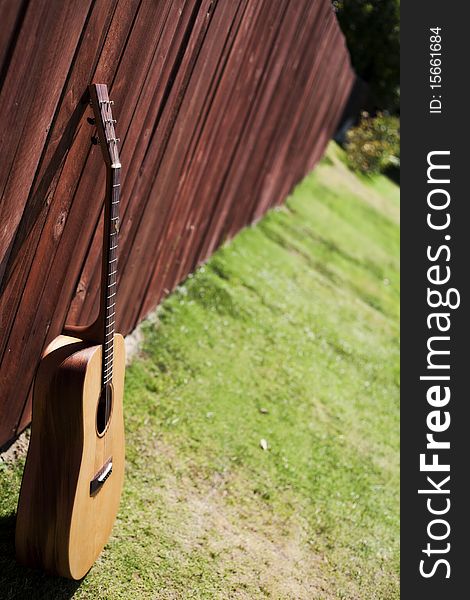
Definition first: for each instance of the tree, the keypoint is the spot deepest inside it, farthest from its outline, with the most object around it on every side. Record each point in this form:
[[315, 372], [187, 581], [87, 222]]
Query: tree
[[372, 31]]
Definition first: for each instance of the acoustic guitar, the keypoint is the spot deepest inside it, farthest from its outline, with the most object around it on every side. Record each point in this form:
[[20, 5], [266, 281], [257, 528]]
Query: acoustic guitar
[[74, 470]]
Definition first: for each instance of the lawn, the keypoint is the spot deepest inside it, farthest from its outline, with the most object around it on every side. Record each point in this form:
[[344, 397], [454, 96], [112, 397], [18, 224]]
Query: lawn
[[262, 417]]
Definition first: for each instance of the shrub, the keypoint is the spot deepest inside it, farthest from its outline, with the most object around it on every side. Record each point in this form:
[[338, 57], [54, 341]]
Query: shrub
[[374, 145]]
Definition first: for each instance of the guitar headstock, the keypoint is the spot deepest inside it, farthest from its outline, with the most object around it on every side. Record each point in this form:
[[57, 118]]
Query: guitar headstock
[[105, 123]]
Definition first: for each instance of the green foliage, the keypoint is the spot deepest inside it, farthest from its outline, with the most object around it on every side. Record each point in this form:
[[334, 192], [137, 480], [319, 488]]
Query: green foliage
[[289, 334], [372, 30], [374, 145]]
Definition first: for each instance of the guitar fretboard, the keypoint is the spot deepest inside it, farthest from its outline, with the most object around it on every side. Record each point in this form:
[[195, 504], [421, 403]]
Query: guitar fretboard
[[110, 287]]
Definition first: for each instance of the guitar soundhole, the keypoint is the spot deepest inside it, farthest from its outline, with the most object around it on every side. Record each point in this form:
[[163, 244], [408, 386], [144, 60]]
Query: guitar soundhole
[[103, 412]]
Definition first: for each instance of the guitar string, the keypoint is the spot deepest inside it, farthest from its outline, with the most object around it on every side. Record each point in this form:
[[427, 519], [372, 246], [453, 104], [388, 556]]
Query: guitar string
[[111, 288], [111, 250]]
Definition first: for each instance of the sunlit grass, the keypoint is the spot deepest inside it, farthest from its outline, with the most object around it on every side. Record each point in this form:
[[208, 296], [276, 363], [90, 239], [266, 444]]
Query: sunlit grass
[[289, 334]]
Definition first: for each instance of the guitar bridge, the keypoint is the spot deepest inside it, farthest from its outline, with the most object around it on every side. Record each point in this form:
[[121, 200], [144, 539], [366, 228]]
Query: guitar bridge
[[98, 480]]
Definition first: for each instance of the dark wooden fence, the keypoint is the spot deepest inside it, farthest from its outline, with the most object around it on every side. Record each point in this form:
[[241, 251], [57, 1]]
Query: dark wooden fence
[[222, 106]]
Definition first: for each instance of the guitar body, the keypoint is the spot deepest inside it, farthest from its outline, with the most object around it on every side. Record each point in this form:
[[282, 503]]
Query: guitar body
[[74, 473]]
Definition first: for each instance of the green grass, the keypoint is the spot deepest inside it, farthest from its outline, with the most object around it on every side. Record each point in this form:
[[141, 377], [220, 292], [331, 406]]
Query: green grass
[[289, 334]]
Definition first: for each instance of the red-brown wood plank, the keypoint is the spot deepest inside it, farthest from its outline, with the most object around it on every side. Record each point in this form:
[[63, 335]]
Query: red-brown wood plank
[[29, 97], [12, 14]]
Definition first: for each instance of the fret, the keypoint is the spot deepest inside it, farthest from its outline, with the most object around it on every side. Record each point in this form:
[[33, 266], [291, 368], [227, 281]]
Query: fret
[[110, 324], [111, 284], [113, 273], [113, 294]]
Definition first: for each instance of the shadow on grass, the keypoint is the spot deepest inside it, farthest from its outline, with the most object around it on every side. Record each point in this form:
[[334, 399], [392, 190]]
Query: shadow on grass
[[20, 582]]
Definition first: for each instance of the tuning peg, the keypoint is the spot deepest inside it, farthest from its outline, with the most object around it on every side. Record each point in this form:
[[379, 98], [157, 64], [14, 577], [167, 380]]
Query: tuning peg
[[91, 120], [95, 140]]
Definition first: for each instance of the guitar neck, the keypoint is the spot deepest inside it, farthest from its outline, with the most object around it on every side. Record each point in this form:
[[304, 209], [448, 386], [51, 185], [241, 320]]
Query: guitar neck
[[109, 269], [103, 118]]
